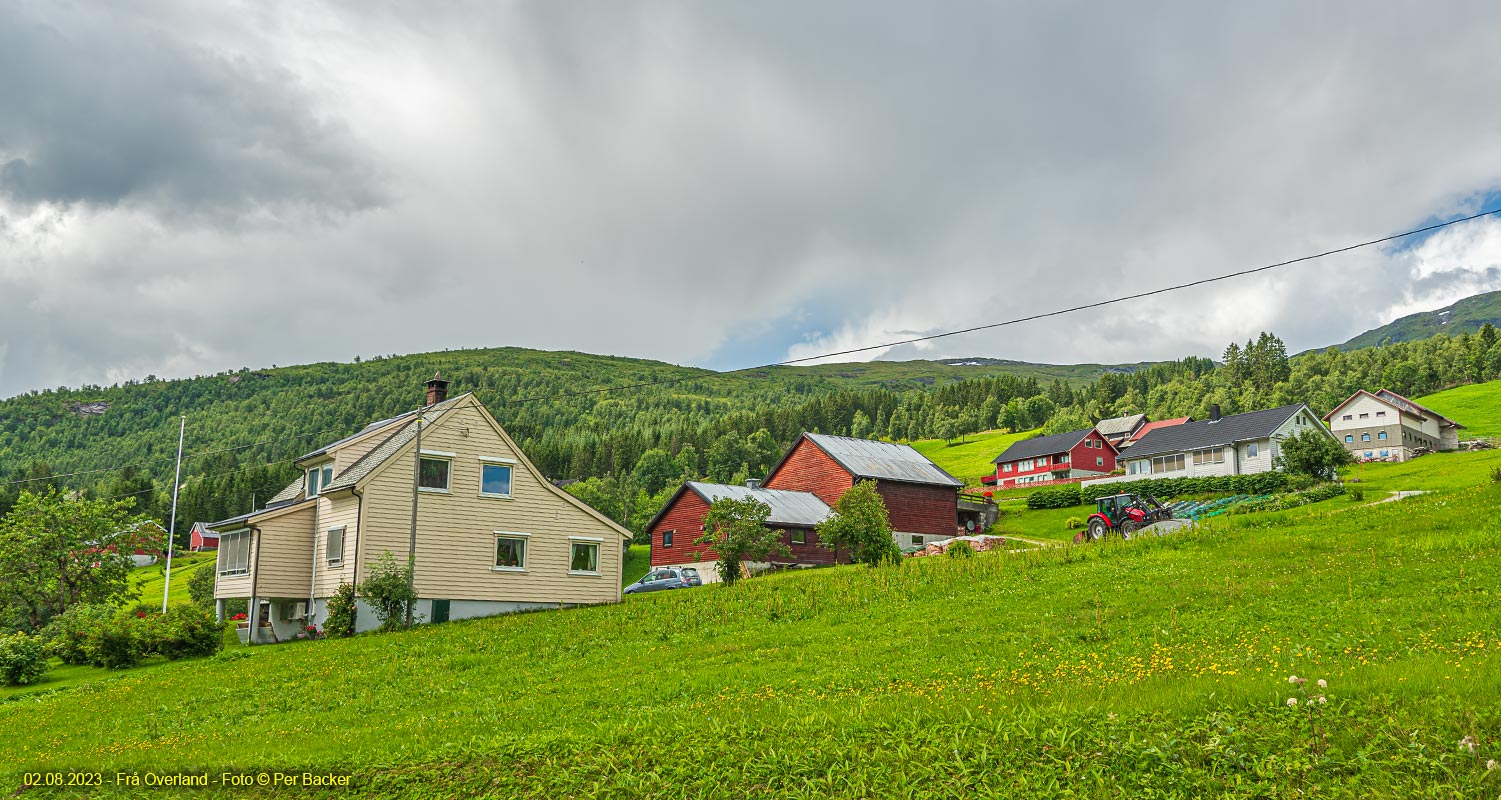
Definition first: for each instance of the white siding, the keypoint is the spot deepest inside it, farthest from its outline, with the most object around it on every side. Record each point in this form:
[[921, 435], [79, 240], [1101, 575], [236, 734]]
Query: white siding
[[1362, 404]]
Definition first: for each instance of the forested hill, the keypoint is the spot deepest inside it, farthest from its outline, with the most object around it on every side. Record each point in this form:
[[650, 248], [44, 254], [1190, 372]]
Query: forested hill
[[1465, 316], [300, 407]]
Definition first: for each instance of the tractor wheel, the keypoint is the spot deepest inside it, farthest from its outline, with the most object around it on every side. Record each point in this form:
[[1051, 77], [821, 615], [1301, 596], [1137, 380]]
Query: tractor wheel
[[1097, 529], [1129, 527]]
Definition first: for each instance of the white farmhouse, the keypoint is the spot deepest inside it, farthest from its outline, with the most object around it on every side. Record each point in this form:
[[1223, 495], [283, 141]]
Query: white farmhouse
[[1239, 444]]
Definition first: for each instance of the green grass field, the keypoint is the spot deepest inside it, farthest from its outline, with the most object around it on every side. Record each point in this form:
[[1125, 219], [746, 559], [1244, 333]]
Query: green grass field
[[1473, 406], [1153, 668], [974, 458]]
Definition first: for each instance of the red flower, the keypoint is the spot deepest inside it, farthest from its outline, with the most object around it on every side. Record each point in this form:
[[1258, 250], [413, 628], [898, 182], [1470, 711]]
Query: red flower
[[140, 615]]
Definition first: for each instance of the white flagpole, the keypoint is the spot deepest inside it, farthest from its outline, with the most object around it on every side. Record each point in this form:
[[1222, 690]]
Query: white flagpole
[[182, 429]]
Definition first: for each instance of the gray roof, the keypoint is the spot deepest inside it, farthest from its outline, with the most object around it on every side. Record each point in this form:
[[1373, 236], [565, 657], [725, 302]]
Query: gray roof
[[234, 521], [292, 492], [1120, 426], [883, 460], [377, 456], [1042, 446], [1205, 433], [787, 507]]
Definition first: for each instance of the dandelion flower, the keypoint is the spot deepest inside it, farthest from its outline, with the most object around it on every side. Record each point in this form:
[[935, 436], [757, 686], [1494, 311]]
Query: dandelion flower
[[1292, 701], [1323, 684]]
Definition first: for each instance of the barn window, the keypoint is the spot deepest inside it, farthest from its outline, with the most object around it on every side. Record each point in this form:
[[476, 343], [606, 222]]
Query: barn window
[[667, 538], [799, 536]]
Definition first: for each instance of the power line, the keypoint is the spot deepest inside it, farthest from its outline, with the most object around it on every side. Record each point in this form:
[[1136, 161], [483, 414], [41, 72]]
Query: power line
[[1031, 318]]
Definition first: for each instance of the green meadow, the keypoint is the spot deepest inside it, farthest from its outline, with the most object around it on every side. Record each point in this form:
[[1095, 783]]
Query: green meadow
[[1153, 668], [973, 457], [1474, 406]]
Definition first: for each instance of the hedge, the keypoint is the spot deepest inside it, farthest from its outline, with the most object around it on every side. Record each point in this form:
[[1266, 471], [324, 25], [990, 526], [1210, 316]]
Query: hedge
[[1060, 497], [1259, 483]]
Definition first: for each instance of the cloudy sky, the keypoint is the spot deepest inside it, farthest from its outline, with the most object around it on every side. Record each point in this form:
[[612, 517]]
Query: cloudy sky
[[189, 187]]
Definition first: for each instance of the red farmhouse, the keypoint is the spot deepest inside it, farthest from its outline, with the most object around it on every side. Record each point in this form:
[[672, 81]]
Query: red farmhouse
[[922, 500], [201, 538], [677, 527], [1076, 454]]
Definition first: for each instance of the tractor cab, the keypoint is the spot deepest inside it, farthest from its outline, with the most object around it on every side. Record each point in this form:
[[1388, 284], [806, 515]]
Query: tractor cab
[[1124, 514]]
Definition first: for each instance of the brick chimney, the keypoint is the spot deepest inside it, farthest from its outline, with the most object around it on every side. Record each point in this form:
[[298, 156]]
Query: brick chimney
[[437, 390]]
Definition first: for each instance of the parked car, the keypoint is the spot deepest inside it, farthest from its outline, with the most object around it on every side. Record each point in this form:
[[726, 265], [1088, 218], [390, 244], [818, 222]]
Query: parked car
[[662, 578], [693, 576]]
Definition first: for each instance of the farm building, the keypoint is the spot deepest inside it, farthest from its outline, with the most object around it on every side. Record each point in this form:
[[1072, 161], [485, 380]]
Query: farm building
[[676, 528], [1117, 430], [1238, 444], [921, 499], [202, 537], [1077, 454], [493, 535], [1385, 426], [1152, 426]]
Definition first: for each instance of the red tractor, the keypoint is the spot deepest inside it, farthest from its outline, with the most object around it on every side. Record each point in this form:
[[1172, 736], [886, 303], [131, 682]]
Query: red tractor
[[1124, 514]]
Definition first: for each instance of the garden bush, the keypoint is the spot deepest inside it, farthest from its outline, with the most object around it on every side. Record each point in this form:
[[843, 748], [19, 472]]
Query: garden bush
[[69, 633], [1073, 523], [961, 550], [1057, 497], [1165, 488], [388, 590], [23, 659], [117, 644], [201, 586], [341, 612], [183, 632]]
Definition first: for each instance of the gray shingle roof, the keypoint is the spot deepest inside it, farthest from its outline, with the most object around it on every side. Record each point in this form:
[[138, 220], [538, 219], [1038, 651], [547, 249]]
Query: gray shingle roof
[[393, 443], [883, 460], [233, 521], [1042, 446], [292, 492], [787, 507], [1204, 433], [1120, 426]]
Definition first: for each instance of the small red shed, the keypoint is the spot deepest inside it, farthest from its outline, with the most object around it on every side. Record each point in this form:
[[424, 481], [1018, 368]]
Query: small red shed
[[201, 538]]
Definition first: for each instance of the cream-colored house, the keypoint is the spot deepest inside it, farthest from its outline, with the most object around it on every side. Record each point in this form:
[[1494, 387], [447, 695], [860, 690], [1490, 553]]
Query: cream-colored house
[[493, 536], [1385, 426]]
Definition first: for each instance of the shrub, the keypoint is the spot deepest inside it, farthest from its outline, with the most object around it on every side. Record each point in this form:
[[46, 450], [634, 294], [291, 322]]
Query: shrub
[[69, 633], [117, 644], [1165, 488], [1496, 475], [201, 587], [1357, 495], [342, 608], [1073, 523], [183, 632], [961, 549], [389, 591], [1058, 497], [23, 659]]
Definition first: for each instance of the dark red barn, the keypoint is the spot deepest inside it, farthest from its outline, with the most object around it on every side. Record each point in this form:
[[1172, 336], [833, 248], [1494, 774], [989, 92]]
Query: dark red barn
[[922, 500], [677, 527]]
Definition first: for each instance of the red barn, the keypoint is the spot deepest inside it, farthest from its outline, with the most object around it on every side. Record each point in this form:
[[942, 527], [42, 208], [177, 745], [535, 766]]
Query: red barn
[[677, 527], [1076, 454], [201, 538], [922, 500]]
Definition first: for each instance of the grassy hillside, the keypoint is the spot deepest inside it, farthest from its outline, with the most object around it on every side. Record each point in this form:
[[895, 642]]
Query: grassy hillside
[[1465, 316], [971, 459], [1477, 407], [1156, 667]]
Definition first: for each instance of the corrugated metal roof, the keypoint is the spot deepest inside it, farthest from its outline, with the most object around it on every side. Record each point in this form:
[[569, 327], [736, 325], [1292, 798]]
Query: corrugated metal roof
[[787, 507], [377, 456], [1042, 446], [884, 460], [1205, 433]]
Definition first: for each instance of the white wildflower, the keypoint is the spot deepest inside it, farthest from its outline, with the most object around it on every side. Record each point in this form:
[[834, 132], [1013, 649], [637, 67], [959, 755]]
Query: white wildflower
[[1323, 684], [1467, 744], [1292, 701], [1491, 764], [1321, 700], [1292, 679]]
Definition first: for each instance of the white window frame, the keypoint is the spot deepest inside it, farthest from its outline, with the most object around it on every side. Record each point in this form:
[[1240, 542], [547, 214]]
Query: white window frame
[[1178, 460], [230, 549], [526, 548], [1381, 435], [792, 536], [1099, 461], [328, 552], [1209, 456], [1006, 467], [436, 455], [1253, 450], [599, 551], [497, 461], [316, 475]]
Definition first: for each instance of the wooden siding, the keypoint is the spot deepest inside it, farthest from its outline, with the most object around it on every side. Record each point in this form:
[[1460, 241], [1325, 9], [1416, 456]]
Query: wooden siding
[[346, 455], [282, 555], [333, 512], [915, 508], [456, 531], [809, 469], [686, 520]]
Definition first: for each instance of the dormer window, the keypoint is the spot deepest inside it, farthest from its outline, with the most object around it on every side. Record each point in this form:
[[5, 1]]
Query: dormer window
[[318, 477]]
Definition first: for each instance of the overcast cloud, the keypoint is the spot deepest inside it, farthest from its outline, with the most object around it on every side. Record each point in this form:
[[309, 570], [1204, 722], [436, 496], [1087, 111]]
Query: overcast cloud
[[187, 188]]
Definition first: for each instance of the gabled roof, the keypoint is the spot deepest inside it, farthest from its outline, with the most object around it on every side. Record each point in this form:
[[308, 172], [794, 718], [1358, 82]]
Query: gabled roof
[[1161, 423], [204, 530], [1209, 433], [1117, 427], [269, 510], [888, 461], [1042, 446], [1409, 406], [787, 507], [393, 444]]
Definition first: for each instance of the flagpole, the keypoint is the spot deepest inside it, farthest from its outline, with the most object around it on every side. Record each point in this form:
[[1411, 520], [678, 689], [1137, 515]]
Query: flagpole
[[182, 429]]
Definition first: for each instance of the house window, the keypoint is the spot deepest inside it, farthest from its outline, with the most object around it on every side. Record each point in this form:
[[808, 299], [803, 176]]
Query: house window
[[1349, 437], [799, 536], [1005, 468], [1348, 416], [1367, 454], [495, 480], [1252, 449], [335, 548], [1381, 435], [917, 541], [433, 474], [583, 557], [510, 551], [1138, 468], [1365, 416], [1385, 453], [1213, 455], [319, 477], [667, 538], [1365, 437], [1099, 461], [1063, 459], [234, 553], [1172, 463], [1380, 413]]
